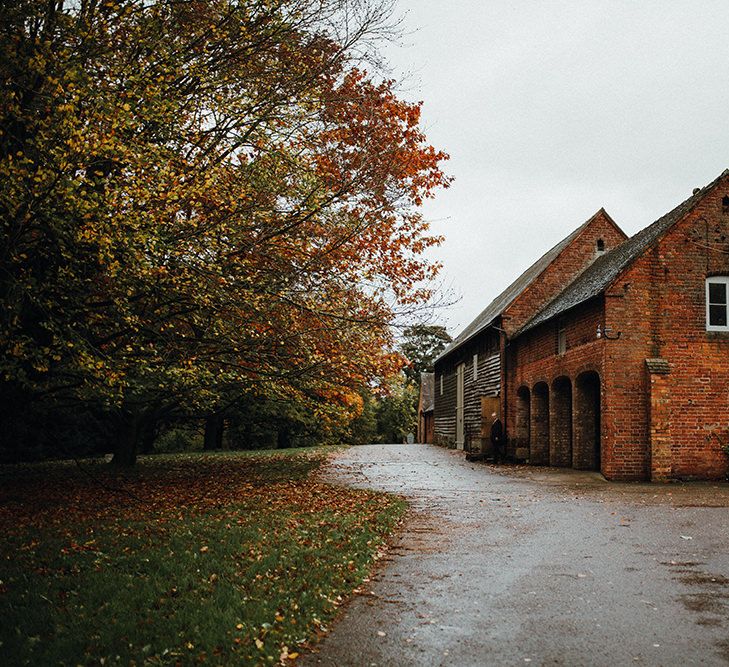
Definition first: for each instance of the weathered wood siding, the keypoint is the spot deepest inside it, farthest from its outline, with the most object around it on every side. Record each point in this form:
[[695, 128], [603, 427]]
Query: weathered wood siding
[[445, 404], [487, 383]]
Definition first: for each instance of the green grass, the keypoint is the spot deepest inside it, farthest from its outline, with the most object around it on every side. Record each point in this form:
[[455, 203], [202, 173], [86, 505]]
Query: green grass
[[229, 560]]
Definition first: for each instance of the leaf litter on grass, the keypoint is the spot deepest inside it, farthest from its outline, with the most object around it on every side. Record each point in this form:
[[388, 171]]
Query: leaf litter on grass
[[219, 559]]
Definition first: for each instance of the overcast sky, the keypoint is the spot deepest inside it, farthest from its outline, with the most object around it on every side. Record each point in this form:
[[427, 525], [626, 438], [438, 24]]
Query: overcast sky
[[550, 110]]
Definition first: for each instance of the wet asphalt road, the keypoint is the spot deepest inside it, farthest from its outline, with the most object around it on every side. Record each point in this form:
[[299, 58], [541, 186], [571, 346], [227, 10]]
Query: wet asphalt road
[[535, 566]]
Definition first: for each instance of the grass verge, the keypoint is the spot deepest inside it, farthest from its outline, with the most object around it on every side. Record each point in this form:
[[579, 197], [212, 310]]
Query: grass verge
[[227, 559]]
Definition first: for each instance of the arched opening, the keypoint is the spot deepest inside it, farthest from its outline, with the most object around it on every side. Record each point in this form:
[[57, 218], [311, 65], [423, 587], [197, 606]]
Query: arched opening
[[560, 423], [586, 454], [539, 439], [523, 420]]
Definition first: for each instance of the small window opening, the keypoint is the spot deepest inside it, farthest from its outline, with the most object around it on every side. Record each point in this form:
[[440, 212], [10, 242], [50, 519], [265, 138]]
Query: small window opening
[[600, 246], [725, 204], [441, 385], [475, 366], [561, 338]]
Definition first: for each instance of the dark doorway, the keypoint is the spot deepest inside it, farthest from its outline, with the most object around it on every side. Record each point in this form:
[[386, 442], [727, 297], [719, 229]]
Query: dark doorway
[[523, 420], [539, 440], [586, 455], [560, 423]]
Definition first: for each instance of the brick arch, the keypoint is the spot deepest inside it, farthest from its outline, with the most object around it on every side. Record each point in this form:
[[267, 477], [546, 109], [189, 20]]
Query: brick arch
[[560, 422], [588, 367], [586, 420], [539, 432]]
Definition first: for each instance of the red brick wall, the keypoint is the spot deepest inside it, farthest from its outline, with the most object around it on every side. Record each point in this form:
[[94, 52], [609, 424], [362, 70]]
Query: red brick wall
[[533, 359], [581, 252], [626, 413], [659, 305]]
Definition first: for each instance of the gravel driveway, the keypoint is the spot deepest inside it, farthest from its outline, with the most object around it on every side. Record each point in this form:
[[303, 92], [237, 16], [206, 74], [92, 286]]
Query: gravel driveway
[[513, 565]]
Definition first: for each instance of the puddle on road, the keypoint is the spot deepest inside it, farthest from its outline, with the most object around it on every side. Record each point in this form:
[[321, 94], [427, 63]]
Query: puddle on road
[[711, 603], [709, 598], [703, 579]]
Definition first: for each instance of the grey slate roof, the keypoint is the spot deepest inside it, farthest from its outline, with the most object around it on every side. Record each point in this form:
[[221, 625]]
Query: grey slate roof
[[427, 392], [600, 274], [504, 300]]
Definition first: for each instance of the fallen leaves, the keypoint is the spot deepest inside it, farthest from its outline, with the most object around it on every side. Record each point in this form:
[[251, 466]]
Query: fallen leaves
[[254, 546]]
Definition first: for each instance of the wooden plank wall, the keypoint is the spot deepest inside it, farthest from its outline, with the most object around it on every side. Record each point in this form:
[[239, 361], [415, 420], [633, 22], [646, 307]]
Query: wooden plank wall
[[445, 406], [488, 383]]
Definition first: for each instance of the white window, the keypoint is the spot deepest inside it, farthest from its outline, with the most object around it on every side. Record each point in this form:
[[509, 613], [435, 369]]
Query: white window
[[475, 366], [717, 303], [561, 338], [441, 385]]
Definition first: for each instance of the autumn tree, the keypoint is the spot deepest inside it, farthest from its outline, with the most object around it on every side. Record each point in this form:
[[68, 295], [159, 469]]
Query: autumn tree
[[203, 201]]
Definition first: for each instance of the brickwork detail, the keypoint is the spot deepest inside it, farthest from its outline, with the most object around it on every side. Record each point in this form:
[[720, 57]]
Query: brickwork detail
[[521, 423], [660, 306], [660, 430]]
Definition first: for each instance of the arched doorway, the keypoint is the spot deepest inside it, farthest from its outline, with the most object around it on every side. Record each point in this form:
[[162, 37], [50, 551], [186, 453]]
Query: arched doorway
[[560, 423], [539, 438], [586, 454], [523, 420]]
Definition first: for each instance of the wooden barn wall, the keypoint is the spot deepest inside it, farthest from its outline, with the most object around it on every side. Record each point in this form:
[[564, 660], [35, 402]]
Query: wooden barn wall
[[445, 405], [487, 383]]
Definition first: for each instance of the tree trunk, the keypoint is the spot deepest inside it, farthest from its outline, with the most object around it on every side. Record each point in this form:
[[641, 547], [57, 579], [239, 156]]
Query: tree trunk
[[247, 441], [127, 440], [221, 430], [149, 435], [213, 432], [283, 437]]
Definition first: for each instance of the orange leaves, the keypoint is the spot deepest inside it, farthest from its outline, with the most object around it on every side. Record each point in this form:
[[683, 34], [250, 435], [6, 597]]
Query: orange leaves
[[375, 136]]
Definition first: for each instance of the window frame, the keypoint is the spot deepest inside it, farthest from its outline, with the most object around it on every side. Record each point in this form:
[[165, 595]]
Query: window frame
[[722, 280], [561, 338]]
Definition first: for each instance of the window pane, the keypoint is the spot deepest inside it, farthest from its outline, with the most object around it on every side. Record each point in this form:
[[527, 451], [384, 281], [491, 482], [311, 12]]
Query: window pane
[[717, 292], [717, 316]]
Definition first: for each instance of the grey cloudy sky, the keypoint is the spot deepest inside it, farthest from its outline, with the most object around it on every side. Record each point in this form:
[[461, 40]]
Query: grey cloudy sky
[[549, 111]]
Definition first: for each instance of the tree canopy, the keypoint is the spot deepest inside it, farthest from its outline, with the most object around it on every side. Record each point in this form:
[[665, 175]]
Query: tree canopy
[[421, 344], [202, 200]]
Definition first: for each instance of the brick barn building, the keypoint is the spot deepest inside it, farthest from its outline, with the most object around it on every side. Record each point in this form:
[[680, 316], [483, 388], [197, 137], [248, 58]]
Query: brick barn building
[[608, 353]]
